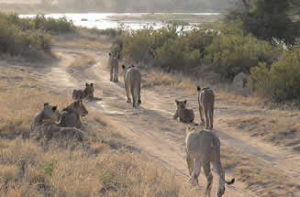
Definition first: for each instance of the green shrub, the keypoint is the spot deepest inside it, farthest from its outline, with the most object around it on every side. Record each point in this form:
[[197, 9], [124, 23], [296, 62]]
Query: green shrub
[[200, 39], [49, 168], [282, 81], [161, 36], [29, 36], [23, 24], [61, 25], [14, 41], [108, 181], [232, 52], [137, 44], [169, 47], [176, 55]]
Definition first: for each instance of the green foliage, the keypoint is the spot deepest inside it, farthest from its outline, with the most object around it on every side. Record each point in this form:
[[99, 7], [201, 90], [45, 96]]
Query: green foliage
[[108, 181], [61, 25], [270, 19], [233, 52], [29, 36], [169, 47], [14, 40], [282, 81], [49, 168], [227, 48], [175, 55], [137, 44]]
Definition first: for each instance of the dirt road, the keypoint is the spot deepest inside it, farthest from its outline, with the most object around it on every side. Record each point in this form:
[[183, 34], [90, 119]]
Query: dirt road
[[152, 129]]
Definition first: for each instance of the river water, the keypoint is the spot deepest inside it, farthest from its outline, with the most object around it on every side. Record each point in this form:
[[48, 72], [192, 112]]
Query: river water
[[132, 21]]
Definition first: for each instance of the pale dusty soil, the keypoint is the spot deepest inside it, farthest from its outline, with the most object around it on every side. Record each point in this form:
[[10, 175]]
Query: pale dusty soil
[[152, 129]]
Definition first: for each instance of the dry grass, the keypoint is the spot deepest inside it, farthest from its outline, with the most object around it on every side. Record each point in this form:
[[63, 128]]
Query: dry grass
[[229, 95], [278, 127], [104, 165], [262, 180], [161, 80]]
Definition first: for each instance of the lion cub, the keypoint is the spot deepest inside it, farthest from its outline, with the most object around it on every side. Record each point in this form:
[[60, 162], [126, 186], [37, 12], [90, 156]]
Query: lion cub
[[87, 93], [185, 115]]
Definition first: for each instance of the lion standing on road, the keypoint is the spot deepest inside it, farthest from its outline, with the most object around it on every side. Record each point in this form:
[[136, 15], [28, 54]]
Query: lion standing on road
[[114, 66], [132, 80], [206, 100], [203, 149]]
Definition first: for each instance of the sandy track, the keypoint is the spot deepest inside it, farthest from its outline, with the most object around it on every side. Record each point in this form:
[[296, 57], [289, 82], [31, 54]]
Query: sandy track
[[151, 128]]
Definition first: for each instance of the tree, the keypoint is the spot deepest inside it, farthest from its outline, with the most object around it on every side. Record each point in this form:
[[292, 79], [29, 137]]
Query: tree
[[269, 20]]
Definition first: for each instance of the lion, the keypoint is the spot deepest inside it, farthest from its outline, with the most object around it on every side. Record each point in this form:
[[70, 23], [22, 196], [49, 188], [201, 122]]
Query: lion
[[117, 46], [48, 114], [185, 115], [87, 93], [82, 94], [114, 65], [206, 100], [44, 126], [70, 116], [132, 80], [203, 149]]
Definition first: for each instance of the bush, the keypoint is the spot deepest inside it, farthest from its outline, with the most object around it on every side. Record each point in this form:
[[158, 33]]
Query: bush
[[275, 21], [169, 47], [28, 36], [137, 44], [282, 81], [226, 47], [15, 41], [61, 25], [233, 52], [175, 55]]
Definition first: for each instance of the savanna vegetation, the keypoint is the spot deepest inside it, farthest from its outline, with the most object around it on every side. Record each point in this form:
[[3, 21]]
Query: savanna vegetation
[[106, 164], [269, 57], [20, 36], [272, 20]]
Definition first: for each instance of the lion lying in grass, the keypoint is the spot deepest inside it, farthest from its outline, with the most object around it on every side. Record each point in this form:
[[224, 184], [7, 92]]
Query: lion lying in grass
[[44, 126]]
